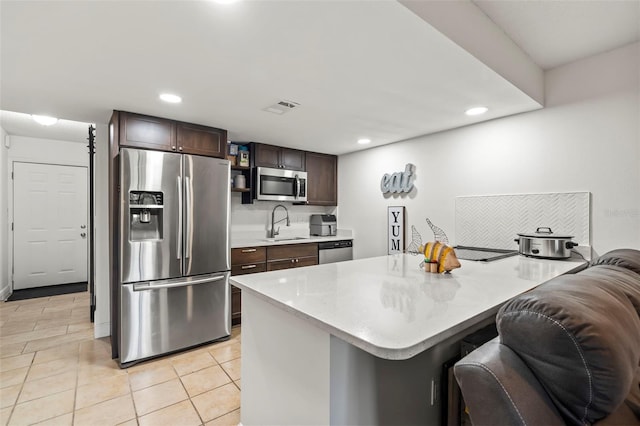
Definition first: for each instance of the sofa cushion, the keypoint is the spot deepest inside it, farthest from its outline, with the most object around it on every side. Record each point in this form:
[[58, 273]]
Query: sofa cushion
[[633, 399], [618, 277], [625, 258], [581, 339]]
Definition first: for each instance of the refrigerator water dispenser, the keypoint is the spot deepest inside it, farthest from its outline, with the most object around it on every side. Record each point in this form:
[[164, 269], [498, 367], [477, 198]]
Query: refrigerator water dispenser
[[145, 215]]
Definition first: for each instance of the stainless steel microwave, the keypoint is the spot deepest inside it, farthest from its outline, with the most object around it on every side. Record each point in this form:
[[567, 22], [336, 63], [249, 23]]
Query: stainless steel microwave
[[281, 185]]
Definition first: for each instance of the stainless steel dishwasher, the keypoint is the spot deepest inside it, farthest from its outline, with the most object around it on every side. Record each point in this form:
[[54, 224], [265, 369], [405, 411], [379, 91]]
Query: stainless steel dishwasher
[[335, 251]]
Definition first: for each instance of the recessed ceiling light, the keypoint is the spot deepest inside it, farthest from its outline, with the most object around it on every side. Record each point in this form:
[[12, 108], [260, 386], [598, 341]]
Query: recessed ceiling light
[[476, 110], [172, 99], [45, 120], [364, 141]]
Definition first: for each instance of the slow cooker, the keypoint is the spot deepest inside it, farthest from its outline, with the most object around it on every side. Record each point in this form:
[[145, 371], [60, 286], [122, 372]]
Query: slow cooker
[[545, 244]]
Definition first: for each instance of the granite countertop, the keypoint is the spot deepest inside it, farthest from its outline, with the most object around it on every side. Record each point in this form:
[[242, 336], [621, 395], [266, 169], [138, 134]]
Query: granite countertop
[[252, 240], [390, 307]]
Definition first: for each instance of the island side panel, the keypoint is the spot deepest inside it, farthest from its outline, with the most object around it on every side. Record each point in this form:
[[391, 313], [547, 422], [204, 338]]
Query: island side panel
[[367, 390], [285, 367]]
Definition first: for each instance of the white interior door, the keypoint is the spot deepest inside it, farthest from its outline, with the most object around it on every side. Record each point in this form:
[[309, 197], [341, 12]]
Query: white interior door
[[50, 225]]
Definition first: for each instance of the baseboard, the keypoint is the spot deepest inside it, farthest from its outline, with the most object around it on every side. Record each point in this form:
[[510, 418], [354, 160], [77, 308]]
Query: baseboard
[[5, 292], [102, 329], [47, 291]]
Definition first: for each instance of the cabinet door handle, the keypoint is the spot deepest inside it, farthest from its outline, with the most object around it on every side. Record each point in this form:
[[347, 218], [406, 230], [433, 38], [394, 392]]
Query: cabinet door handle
[[251, 250], [179, 148], [249, 266]]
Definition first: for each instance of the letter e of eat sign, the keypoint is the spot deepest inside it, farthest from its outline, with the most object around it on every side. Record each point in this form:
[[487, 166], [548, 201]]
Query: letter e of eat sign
[[399, 181]]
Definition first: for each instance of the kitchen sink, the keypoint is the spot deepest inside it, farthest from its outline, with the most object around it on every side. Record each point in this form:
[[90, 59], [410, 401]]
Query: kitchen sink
[[271, 240]]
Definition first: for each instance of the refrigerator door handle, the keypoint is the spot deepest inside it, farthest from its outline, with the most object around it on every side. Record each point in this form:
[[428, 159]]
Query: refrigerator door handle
[[188, 219], [179, 239], [150, 286]]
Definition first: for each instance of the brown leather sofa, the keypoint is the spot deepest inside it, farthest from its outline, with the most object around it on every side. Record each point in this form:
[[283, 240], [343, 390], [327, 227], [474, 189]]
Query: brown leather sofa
[[568, 352]]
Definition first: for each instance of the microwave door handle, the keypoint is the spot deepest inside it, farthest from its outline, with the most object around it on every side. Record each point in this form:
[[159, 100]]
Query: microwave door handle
[[179, 239], [297, 195]]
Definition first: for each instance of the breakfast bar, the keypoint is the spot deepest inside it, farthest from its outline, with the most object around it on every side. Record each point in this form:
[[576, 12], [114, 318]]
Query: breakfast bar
[[363, 341]]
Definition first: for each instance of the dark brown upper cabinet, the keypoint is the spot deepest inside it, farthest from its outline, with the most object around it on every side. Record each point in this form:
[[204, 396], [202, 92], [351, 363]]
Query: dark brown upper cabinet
[[201, 140], [143, 131], [322, 175], [278, 158]]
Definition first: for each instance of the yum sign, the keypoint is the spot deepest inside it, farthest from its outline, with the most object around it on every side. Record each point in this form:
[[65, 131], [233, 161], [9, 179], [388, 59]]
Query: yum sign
[[398, 182]]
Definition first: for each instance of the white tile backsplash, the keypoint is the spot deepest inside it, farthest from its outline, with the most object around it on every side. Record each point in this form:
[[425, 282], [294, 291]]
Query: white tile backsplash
[[494, 221], [250, 220]]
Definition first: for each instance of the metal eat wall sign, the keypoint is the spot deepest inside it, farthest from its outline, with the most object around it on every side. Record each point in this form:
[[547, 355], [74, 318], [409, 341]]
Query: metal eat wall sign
[[398, 182]]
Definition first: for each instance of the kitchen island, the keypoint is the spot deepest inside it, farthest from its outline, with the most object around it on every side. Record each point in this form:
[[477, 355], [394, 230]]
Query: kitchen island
[[363, 341]]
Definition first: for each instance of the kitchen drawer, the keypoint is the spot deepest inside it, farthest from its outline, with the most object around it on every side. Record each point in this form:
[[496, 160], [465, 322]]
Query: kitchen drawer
[[248, 268], [297, 262], [290, 251], [242, 255]]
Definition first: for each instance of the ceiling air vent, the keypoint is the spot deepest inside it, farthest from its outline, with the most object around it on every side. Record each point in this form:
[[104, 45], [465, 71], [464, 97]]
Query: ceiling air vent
[[281, 107]]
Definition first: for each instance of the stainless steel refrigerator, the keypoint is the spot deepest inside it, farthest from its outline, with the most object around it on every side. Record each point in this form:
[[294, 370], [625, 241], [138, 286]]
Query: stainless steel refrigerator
[[174, 253]]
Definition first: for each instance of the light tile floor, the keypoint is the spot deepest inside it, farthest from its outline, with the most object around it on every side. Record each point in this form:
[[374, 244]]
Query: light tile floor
[[53, 372]]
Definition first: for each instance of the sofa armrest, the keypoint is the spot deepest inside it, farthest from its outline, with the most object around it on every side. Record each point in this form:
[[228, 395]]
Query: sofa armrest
[[499, 389]]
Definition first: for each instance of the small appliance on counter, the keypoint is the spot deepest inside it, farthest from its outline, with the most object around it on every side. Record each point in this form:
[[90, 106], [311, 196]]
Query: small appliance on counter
[[545, 244], [324, 225]]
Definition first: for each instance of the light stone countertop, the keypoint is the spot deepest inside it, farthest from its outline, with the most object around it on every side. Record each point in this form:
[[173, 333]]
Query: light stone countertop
[[254, 240], [389, 307]]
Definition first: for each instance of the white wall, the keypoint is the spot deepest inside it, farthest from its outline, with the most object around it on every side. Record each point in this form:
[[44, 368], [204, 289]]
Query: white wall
[[251, 220], [48, 151], [587, 138], [5, 287], [67, 153], [33, 150], [102, 318]]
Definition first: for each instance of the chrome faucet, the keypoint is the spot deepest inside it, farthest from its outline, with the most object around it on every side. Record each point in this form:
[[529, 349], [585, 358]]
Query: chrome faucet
[[273, 232]]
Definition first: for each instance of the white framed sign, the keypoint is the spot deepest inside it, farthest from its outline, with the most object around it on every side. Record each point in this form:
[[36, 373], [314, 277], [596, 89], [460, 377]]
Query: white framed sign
[[395, 229]]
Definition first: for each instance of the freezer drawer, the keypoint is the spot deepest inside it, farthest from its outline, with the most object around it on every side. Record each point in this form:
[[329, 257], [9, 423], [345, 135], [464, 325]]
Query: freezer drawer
[[165, 316]]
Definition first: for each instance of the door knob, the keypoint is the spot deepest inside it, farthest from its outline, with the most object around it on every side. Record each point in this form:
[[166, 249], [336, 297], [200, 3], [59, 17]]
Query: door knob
[[83, 234], [82, 226]]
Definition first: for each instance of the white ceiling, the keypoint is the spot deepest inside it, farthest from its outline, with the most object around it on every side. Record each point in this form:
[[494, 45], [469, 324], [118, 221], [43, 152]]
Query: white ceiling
[[557, 32], [358, 69]]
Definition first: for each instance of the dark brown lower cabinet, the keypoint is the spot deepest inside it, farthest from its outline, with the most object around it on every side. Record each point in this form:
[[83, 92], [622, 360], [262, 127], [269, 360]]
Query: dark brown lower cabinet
[[236, 305], [244, 260], [250, 260], [297, 262], [291, 256]]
